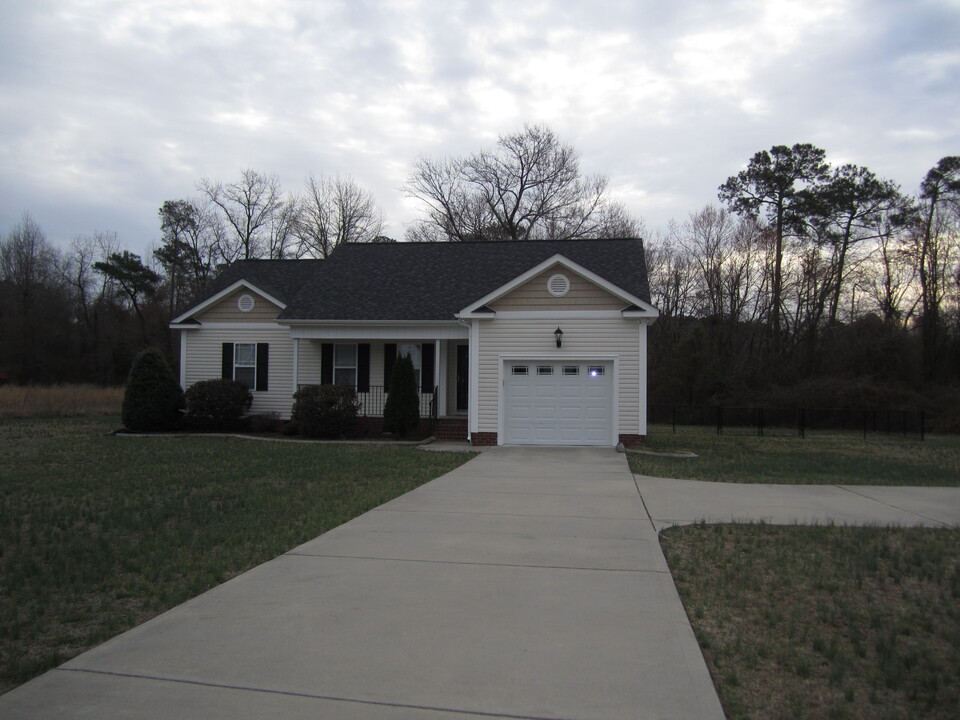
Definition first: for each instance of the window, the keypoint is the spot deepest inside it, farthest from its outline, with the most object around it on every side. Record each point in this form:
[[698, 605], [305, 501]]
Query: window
[[595, 370], [519, 370], [345, 364], [245, 364], [544, 369], [571, 369], [416, 357]]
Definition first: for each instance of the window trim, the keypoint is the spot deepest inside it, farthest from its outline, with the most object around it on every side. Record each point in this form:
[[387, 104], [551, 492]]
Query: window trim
[[343, 366], [245, 365], [260, 364]]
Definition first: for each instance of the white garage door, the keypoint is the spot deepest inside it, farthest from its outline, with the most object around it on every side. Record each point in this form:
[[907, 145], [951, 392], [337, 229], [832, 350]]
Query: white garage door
[[556, 403]]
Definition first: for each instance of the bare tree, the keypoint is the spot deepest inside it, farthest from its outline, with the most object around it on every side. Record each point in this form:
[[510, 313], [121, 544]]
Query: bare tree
[[529, 186], [284, 229], [33, 301], [934, 247], [248, 208], [844, 215], [336, 210]]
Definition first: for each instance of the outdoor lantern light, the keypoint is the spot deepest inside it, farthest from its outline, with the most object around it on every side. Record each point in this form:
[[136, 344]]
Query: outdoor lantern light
[[558, 334]]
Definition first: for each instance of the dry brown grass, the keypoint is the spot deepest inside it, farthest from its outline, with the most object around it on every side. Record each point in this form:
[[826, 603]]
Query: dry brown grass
[[59, 400]]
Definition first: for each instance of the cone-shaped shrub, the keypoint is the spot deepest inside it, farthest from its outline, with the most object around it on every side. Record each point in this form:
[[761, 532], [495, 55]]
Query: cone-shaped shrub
[[153, 399], [401, 412]]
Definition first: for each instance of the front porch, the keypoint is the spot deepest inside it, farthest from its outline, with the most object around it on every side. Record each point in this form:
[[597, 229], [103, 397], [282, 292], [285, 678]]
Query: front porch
[[441, 367]]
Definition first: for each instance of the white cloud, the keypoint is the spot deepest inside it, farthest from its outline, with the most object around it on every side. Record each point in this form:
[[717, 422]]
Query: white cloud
[[120, 105]]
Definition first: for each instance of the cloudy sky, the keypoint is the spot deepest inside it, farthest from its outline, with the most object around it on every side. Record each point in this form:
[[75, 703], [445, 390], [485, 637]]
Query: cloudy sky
[[108, 108]]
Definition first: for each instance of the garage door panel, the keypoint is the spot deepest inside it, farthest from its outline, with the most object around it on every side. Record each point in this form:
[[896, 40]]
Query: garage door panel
[[551, 406]]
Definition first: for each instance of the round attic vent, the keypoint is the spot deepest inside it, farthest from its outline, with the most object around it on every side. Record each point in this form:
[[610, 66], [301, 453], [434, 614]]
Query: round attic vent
[[558, 285], [245, 303]]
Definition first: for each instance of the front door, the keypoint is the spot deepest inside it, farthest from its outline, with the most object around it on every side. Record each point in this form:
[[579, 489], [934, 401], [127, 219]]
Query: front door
[[463, 377]]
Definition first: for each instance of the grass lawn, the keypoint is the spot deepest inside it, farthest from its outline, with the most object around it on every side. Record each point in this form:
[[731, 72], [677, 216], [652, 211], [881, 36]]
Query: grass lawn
[[99, 533], [814, 460], [824, 622]]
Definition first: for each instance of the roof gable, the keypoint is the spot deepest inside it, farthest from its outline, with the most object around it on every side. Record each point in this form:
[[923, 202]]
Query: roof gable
[[558, 262], [215, 300]]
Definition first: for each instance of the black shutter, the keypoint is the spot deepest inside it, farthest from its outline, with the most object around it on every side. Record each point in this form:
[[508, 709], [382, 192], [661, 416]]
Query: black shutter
[[389, 357], [363, 367], [326, 364], [263, 360], [426, 367], [226, 359]]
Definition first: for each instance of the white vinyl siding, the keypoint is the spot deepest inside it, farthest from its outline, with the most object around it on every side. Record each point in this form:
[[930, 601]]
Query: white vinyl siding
[[583, 339], [205, 362]]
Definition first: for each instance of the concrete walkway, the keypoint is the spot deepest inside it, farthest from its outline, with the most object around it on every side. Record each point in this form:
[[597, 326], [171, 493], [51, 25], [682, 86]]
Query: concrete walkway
[[680, 502], [528, 583]]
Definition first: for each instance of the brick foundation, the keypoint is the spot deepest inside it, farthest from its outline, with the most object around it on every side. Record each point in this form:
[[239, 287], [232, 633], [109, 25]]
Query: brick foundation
[[632, 440], [450, 428], [483, 438]]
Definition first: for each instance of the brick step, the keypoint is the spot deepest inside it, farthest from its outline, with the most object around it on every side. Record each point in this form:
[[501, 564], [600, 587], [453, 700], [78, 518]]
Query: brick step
[[450, 429]]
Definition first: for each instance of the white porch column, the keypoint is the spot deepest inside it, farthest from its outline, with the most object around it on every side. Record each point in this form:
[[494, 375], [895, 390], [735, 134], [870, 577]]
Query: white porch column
[[474, 384], [183, 359], [440, 375], [296, 364]]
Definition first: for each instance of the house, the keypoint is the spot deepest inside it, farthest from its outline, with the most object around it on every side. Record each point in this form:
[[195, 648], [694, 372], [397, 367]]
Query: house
[[534, 342]]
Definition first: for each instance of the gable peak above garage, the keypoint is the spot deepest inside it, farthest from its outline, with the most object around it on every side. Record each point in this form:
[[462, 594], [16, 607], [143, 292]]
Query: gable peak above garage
[[557, 274]]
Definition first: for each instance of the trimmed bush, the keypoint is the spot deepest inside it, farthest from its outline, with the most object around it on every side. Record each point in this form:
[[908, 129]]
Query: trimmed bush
[[217, 404], [401, 413], [153, 400], [325, 411]]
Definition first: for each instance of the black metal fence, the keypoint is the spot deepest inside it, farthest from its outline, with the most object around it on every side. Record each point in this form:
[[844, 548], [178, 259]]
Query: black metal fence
[[373, 400], [794, 422]]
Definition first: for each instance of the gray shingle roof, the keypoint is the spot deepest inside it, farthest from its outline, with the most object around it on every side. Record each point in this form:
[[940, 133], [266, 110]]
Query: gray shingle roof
[[426, 281], [280, 278]]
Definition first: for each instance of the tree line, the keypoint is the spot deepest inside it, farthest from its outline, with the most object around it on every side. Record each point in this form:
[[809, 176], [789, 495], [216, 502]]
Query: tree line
[[83, 312], [803, 272], [827, 279]]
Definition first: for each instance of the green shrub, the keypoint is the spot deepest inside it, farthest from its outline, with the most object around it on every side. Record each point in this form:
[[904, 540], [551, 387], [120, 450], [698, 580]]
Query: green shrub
[[152, 400], [217, 404], [325, 411], [401, 413]]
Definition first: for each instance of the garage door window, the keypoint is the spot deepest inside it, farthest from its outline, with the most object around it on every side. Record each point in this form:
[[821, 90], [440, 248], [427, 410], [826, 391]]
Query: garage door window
[[544, 369], [571, 369], [595, 370], [519, 370]]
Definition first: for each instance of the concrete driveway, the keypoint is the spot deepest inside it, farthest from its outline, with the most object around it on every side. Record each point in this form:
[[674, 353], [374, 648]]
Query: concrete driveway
[[528, 583]]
